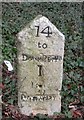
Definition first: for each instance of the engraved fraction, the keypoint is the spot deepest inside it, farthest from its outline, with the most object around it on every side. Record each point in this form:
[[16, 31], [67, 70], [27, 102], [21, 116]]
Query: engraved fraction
[[47, 31]]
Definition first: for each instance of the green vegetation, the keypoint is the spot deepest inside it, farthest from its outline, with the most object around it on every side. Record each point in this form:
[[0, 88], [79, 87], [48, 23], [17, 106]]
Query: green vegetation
[[67, 17]]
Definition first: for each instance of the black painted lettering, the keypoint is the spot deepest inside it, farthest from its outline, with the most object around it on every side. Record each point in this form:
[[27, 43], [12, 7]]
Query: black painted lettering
[[45, 58], [39, 45], [60, 57], [24, 57], [44, 45], [37, 34], [24, 97], [32, 84], [34, 98], [46, 30], [40, 70]]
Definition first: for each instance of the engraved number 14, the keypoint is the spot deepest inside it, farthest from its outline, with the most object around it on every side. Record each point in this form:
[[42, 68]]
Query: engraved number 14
[[46, 31]]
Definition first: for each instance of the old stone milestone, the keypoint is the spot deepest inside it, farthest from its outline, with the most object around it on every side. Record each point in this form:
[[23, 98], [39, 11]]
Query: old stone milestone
[[40, 67]]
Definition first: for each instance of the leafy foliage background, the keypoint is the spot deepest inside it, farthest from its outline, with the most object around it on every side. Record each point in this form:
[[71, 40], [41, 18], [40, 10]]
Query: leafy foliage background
[[67, 17]]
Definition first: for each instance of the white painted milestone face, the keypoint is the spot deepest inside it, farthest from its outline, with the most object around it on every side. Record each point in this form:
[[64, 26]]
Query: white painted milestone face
[[40, 68]]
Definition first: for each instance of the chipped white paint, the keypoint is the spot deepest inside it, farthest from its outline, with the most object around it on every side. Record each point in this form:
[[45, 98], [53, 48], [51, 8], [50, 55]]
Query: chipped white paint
[[40, 67]]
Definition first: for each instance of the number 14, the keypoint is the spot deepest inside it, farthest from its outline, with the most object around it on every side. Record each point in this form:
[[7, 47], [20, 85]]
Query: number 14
[[48, 32]]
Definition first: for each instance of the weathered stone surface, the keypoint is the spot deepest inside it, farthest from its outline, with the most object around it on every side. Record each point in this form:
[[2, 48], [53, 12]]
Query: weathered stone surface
[[40, 67]]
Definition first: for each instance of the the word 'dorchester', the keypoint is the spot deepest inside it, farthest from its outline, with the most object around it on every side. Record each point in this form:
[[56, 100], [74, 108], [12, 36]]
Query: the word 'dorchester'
[[25, 97], [44, 58]]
